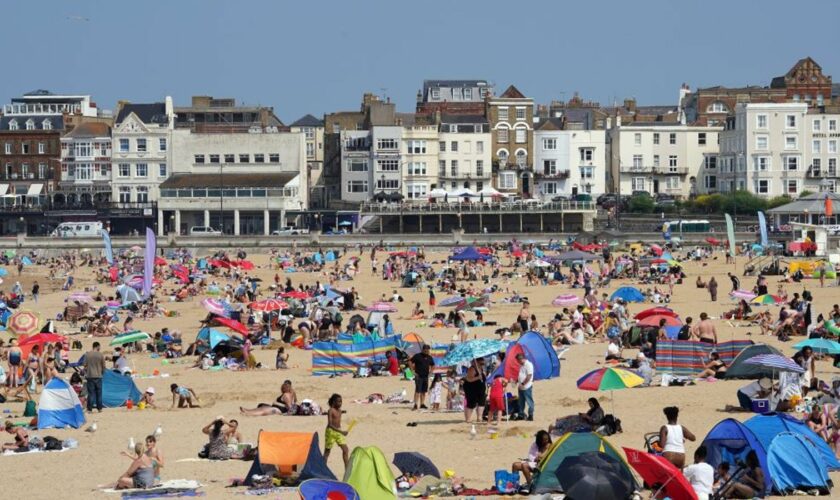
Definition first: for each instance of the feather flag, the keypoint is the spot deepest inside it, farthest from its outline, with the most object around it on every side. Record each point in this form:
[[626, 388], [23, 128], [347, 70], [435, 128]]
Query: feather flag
[[829, 208], [762, 226], [149, 262], [109, 251], [730, 233]]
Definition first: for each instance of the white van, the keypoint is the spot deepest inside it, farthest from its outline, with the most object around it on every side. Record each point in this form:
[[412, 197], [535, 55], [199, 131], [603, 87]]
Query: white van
[[204, 231], [78, 230]]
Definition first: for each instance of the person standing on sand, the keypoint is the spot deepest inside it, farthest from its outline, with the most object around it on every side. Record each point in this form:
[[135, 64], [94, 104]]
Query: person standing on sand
[[94, 368], [705, 330], [672, 438], [712, 286], [421, 364], [334, 435], [526, 387], [736, 283]]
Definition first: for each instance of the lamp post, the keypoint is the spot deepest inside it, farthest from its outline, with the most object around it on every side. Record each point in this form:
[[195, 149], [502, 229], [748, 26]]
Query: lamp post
[[22, 222], [317, 218], [221, 198], [172, 223]]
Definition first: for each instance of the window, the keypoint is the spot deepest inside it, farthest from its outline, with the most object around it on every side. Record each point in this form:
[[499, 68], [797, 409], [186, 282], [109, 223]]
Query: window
[[832, 166], [816, 146], [503, 157], [549, 188], [790, 142], [357, 186], [274, 158], [125, 194], [587, 172], [388, 165], [656, 137], [586, 154], [42, 170], [762, 186], [672, 138], [549, 144], [673, 182], [229, 158], [832, 125], [507, 180], [435, 93], [717, 107], [387, 144], [142, 170], [503, 114], [520, 113], [84, 172], [479, 168], [792, 186], [162, 144], [761, 142], [701, 138], [549, 167], [832, 146], [792, 162], [388, 184], [199, 158], [442, 168], [816, 125], [124, 146], [637, 161], [259, 158], [637, 139], [816, 166], [521, 136], [417, 168], [503, 135], [42, 148], [479, 186], [13, 125], [124, 170], [309, 133], [468, 94], [454, 168], [479, 147], [30, 124], [162, 170], [790, 121], [47, 124], [761, 163], [24, 148], [454, 185], [246, 158], [82, 149], [141, 145], [357, 166], [8, 148], [672, 162], [638, 184], [416, 147], [711, 162], [214, 159], [442, 146], [24, 171], [416, 191], [761, 121], [453, 146], [796, 98], [521, 158]]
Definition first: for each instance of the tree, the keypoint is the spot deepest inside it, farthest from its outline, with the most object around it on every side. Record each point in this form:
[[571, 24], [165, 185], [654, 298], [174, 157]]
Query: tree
[[641, 204], [778, 201], [804, 193]]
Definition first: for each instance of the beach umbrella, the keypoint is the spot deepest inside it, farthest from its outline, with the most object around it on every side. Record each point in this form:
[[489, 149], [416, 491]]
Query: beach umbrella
[[160, 261], [657, 250], [594, 475], [742, 294], [565, 300], [517, 253], [41, 338], [656, 470], [472, 349], [416, 464], [767, 299], [655, 311], [232, 324], [659, 261], [472, 303], [776, 363], [821, 346], [129, 338], [538, 263], [452, 301], [385, 307], [269, 305], [3, 272], [713, 241], [23, 322], [215, 306], [656, 318], [80, 297], [609, 379], [295, 294], [674, 263]]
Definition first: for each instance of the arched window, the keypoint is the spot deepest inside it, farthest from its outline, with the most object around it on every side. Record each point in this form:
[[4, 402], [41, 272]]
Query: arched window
[[503, 157], [30, 124], [521, 157], [13, 125], [46, 124]]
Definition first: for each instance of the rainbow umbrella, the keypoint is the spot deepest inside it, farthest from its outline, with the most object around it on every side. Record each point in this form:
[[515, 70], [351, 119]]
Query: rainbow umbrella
[[767, 299], [565, 300], [609, 379], [23, 323]]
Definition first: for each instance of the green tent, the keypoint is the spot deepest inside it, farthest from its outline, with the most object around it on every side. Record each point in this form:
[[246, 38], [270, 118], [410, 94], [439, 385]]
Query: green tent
[[570, 444], [370, 474]]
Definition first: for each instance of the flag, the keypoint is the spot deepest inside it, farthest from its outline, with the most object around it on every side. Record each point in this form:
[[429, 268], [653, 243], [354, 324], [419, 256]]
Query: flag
[[666, 231], [762, 226], [109, 252], [149, 262], [730, 233], [828, 206]]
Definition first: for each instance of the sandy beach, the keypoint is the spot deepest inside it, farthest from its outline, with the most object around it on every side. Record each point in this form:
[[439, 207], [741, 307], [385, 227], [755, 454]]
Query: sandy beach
[[443, 437]]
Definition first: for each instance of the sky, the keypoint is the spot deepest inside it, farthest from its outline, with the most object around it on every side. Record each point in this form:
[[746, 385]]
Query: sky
[[309, 56]]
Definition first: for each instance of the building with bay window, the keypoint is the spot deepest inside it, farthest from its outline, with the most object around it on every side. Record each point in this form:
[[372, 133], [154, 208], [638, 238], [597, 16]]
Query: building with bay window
[[465, 159], [85, 166], [569, 159]]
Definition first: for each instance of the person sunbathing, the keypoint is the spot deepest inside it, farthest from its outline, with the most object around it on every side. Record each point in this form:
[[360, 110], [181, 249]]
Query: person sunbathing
[[285, 403], [21, 443], [714, 368]]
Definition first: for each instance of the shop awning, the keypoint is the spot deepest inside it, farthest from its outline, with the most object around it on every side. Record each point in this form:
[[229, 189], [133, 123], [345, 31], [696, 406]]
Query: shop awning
[[35, 189], [4, 188]]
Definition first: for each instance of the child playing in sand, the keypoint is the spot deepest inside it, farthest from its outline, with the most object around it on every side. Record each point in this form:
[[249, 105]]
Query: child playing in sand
[[497, 400], [148, 398], [185, 396], [435, 392], [334, 435]]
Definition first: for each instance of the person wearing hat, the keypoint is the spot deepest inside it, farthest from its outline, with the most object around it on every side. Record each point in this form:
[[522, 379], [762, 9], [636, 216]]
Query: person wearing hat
[[148, 398], [759, 389]]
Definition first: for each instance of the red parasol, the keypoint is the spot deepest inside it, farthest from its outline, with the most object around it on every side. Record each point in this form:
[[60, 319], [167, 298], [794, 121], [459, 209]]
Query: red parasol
[[269, 305], [234, 325], [160, 261], [661, 311], [713, 241], [656, 470], [295, 294], [656, 318], [220, 263], [41, 338], [517, 253]]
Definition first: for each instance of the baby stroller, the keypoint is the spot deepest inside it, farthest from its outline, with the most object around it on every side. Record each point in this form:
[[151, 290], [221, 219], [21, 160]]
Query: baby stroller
[[652, 443]]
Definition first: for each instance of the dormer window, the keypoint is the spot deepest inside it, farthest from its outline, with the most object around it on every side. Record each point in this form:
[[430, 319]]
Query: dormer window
[[13, 125], [46, 124], [717, 107], [30, 124]]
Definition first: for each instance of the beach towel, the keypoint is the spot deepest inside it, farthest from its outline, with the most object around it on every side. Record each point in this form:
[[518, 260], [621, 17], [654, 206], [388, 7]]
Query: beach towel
[[170, 488], [688, 357]]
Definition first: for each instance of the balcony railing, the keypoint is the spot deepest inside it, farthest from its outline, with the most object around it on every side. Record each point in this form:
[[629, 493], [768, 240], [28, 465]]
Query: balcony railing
[[655, 170], [560, 174], [819, 173], [28, 177]]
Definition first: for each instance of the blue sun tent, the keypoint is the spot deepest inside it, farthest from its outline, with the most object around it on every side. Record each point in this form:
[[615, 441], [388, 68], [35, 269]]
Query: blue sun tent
[[538, 350], [767, 426], [117, 389], [731, 441], [628, 293], [469, 253], [59, 406], [795, 464], [212, 337]]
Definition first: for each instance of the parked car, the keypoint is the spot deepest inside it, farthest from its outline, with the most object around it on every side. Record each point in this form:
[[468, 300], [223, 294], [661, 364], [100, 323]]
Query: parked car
[[204, 231], [290, 231], [78, 230]]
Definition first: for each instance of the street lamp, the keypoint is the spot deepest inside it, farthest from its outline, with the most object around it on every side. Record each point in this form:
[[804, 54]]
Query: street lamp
[[317, 217], [172, 223], [221, 198], [22, 226]]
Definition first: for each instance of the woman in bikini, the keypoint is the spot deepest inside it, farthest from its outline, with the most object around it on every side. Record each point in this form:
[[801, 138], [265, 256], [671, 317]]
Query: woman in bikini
[[15, 357], [286, 403]]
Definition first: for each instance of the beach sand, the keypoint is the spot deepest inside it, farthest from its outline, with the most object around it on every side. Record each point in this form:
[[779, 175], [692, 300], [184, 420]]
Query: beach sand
[[443, 437]]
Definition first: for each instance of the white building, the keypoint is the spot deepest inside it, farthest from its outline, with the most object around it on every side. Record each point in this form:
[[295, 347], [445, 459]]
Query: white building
[[371, 163], [568, 159], [141, 157], [772, 149], [313, 132], [660, 157], [419, 160], [85, 165], [242, 182], [465, 153]]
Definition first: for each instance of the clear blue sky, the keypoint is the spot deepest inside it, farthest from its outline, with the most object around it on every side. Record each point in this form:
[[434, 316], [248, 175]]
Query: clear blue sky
[[307, 56]]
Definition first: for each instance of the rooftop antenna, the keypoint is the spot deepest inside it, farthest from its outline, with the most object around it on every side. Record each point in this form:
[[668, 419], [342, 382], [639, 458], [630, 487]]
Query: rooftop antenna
[[384, 93]]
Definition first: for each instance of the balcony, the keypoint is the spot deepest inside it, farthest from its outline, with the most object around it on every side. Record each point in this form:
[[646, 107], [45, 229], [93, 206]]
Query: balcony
[[354, 147], [498, 165], [655, 170], [820, 173], [559, 174], [15, 177]]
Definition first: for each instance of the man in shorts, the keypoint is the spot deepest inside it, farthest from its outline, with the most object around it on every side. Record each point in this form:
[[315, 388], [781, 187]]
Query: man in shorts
[[421, 364]]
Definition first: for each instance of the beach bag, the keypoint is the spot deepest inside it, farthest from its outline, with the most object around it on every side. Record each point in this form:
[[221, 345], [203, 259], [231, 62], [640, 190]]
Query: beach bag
[[611, 425], [52, 443], [506, 482], [685, 333], [30, 410]]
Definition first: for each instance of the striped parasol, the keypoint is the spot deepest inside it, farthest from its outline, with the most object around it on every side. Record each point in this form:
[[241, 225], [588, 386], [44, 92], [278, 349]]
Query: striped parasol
[[80, 297], [775, 362], [742, 294], [23, 323], [452, 301], [130, 338], [215, 306], [565, 300], [380, 306], [767, 299]]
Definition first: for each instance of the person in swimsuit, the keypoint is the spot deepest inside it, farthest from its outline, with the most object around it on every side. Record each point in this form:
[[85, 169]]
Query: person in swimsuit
[[475, 391], [15, 356], [714, 368], [141, 472], [153, 452], [285, 403], [21, 438], [750, 484], [184, 395], [672, 438]]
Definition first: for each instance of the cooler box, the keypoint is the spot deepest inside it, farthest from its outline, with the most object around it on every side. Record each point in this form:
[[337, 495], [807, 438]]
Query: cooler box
[[761, 406]]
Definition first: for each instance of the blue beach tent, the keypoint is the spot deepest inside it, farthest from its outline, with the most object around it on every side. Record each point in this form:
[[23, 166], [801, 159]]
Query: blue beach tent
[[768, 426], [117, 389], [731, 441], [212, 337], [628, 293], [59, 406], [538, 350], [469, 253], [795, 464]]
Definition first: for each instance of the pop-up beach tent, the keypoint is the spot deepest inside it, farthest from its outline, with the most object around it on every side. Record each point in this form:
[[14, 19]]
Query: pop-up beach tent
[[117, 389], [59, 406], [538, 350], [370, 474], [290, 454], [739, 368]]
